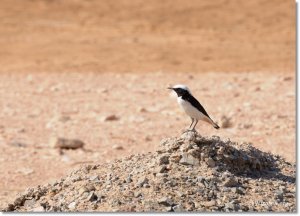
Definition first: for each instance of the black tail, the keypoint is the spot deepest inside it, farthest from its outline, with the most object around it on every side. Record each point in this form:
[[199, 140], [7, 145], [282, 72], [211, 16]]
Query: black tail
[[216, 126]]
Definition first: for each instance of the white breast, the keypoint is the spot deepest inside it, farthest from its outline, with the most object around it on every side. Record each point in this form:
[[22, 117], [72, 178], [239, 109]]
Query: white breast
[[190, 110]]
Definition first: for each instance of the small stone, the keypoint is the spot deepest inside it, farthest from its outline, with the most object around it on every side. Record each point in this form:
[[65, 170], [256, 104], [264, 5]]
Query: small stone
[[279, 194], [143, 180], [111, 118], [226, 122], [189, 136], [72, 205], [82, 190], [202, 156], [148, 138], [178, 208], [55, 88], [188, 159], [282, 188], [164, 159], [211, 163], [63, 143], [64, 118], [230, 206], [168, 209], [142, 110], [94, 178], [238, 190], [161, 169], [18, 144], [29, 203], [117, 147], [21, 130], [230, 182], [38, 209], [90, 187], [287, 78], [165, 201], [102, 90], [25, 171], [137, 194], [200, 179], [175, 158], [92, 197], [209, 203], [246, 126], [257, 88], [146, 185], [129, 179]]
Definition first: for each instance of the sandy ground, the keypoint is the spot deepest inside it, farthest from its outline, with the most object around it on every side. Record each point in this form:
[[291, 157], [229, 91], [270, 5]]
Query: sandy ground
[[38, 107], [62, 71]]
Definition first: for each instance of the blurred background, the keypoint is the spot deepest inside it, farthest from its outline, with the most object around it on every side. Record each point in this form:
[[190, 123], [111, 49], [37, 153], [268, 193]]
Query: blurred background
[[139, 36], [97, 71]]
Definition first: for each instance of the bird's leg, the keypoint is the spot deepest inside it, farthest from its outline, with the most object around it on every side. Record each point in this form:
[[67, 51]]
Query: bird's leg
[[191, 123], [189, 129], [195, 125]]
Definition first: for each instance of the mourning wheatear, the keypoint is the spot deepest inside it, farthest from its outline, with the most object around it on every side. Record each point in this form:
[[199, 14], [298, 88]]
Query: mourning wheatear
[[191, 106]]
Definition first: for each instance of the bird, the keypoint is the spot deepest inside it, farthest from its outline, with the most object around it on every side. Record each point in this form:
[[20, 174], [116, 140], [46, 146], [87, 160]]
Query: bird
[[191, 106]]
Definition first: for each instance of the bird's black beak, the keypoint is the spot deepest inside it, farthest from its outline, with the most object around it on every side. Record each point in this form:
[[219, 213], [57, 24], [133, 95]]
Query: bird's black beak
[[170, 88]]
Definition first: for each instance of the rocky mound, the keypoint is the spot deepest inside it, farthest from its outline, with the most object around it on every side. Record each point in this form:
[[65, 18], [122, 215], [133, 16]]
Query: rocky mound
[[189, 173]]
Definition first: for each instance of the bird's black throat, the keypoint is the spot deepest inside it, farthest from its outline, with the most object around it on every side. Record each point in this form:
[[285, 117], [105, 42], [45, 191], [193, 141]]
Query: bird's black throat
[[181, 92]]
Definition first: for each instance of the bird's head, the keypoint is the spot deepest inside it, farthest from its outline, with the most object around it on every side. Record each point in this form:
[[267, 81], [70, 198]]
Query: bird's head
[[180, 90]]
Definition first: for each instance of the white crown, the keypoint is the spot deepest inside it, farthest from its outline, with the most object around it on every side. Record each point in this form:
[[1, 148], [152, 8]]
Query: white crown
[[182, 87]]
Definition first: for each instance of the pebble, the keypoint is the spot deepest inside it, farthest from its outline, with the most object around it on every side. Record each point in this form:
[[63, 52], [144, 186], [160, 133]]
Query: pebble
[[64, 118], [226, 122], [238, 190], [142, 180], [279, 194], [209, 203], [161, 169], [188, 159], [38, 209], [110, 118], [231, 206], [117, 147], [211, 163], [18, 144], [94, 178], [142, 110], [129, 178], [64, 143], [148, 138], [137, 194], [230, 182], [165, 201], [72, 205], [83, 190], [178, 208], [200, 179], [164, 159], [92, 197], [287, 78], [29, 203], [25, 171]]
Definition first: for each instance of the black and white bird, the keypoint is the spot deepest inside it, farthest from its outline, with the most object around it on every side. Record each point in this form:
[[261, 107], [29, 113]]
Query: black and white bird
[[191, 106]]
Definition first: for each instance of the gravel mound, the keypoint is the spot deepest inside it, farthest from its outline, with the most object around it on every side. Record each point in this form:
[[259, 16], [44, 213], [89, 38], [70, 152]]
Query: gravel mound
[[188, 173]]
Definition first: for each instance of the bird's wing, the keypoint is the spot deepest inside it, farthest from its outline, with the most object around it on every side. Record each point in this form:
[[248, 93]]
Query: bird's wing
[[196, 104]]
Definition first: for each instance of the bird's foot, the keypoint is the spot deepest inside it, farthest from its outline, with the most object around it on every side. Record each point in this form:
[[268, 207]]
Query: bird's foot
[[190, 130]]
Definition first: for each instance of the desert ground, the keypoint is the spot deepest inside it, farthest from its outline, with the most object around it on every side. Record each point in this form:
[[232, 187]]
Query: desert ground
[[98, 71]]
